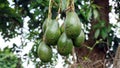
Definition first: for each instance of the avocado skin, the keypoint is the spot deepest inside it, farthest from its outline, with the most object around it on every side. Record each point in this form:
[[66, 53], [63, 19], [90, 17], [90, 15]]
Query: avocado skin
[[79, 40], [44, 52], [72, 25], [65, 45], [45, 24], [52, 33]]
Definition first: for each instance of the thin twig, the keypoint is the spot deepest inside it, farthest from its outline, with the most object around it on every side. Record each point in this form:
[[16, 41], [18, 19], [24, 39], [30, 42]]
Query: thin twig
[[73, 54], [60, 4], [92, 49], [54, 3]]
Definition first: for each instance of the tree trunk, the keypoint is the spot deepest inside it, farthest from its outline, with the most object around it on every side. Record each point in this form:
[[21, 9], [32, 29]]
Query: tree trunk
[[96, 56], [116, 63]]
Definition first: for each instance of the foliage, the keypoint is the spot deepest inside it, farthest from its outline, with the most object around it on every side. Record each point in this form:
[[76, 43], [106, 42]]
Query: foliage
[[10, 21], [8, 59]]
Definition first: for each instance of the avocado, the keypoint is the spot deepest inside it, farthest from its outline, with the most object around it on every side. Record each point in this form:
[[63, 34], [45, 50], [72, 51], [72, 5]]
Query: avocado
[[44, 52], [72, 25], [79, 40], [45, 24], [52, 33], [65, 45]]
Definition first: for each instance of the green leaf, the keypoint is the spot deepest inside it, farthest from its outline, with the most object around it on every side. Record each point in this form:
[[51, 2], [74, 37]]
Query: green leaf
[[95, 13], [97, 32], [102, 23], [96, 26], [104, 33], [39, 1], [37, 12], [109, 28], [89, 14], [95, 6]]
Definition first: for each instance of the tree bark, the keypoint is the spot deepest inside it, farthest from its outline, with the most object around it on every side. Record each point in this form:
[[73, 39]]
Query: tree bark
[[116, 63], [96, 56]]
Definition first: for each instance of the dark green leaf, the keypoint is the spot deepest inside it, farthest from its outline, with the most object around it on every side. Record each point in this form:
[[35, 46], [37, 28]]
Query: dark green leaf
[[39, 1], [102, 23], [109, 28], [104, 33], [96, 25], [89, 14]]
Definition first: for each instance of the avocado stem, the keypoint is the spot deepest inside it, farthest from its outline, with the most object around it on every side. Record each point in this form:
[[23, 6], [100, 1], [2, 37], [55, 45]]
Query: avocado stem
[[73, 6], [70, 3], [49, 10], [59, 10]]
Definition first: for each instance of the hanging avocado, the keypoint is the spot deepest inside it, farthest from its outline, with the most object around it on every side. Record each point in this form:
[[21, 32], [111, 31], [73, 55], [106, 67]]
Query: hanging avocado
[[44, 52], [52, 33], [72, 25], [65, 45], [79, 40], [45, 24]]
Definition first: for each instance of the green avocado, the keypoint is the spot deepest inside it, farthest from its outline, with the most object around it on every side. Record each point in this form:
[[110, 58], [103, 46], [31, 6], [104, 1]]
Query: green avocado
[[45, 24], [65, 45], [44, 52], [79, 40], [52, 33], [72, 25]]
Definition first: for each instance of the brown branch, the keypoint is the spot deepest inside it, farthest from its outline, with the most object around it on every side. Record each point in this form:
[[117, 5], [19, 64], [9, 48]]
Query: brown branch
[[116, 62]]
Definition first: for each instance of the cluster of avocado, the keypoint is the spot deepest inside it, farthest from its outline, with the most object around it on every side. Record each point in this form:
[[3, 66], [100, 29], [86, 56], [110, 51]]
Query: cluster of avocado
[[65, 37]]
